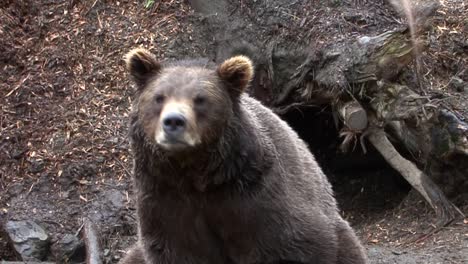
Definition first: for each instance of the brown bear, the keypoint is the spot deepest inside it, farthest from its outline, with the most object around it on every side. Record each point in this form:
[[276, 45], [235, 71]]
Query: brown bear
[[219, 178]]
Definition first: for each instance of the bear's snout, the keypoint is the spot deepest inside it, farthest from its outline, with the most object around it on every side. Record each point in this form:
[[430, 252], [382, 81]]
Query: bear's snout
[[174, 124]]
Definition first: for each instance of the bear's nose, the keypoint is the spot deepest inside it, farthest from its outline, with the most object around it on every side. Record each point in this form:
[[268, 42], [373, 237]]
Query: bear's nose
[[174, 124]]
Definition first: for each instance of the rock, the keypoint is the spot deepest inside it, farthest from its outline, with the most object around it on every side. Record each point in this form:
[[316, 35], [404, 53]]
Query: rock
[[29, 239], [44, 184], [58, 141], [74, 172], [69, 249], [113, 140], [108, 208], [36, 166], [18, 153], [458, 84], [80, 170], [65, 194], [67, 181], [15, 190], [115, 197], [100, 159]]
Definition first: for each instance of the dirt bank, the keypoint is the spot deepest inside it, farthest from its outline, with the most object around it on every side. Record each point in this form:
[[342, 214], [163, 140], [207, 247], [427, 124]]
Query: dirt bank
[[64, 99]]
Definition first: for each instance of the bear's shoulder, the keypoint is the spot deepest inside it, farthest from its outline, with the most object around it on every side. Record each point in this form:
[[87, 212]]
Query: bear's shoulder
[[268, 121]]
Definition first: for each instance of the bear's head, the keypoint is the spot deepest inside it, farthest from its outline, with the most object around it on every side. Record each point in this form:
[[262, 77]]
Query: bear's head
[[184, 105]]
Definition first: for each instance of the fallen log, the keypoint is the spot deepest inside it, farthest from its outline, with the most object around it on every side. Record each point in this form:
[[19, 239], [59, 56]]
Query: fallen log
[[292, 71], [422, 124], [434, 136]]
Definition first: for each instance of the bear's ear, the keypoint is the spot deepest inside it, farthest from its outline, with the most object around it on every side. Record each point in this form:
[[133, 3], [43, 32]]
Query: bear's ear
[[237, 73], [142, 65]]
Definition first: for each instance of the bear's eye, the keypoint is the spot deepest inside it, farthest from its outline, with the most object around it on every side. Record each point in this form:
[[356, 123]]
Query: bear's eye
[[199, 100], [159, 98]]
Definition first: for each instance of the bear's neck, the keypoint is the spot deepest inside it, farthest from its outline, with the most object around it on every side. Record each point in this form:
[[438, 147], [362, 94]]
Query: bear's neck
[[236, 161]]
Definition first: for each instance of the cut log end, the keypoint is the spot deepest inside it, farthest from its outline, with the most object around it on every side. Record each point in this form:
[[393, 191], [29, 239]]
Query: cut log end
[[353, 115]]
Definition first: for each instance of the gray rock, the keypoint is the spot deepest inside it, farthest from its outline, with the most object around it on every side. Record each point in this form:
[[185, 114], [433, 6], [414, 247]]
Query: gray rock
[[29, 239], [115, 197], [18, 153], [58, 141], [458, 84], [73, 172], [69, 249], [36, 166], [113, 140], [44, 183], [100, 159], [79, 170], [15, 189], [108, 208]]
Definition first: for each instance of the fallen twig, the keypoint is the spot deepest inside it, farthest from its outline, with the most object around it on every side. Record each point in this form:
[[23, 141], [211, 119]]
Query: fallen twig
[[18, 86]]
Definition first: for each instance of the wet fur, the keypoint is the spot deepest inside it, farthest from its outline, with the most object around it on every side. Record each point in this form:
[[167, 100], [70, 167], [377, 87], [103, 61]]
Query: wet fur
[[254, 195]]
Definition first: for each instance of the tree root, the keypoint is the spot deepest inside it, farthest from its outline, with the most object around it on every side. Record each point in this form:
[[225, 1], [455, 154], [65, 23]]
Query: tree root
[[90, 238], [445, 210]]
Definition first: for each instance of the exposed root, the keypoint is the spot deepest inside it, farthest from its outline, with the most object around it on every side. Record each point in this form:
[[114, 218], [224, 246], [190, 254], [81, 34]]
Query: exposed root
[[93, 255], [445, 210]]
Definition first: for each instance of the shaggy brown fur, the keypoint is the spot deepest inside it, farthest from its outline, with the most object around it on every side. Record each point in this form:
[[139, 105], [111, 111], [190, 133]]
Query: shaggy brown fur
[[249, 191]]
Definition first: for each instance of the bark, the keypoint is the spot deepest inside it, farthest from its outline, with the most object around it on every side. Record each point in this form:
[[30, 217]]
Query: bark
[[422, 125]]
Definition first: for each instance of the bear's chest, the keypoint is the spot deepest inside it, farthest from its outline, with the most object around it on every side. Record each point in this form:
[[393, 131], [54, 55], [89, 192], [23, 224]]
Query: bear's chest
[[212, 229], [238, 227]]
